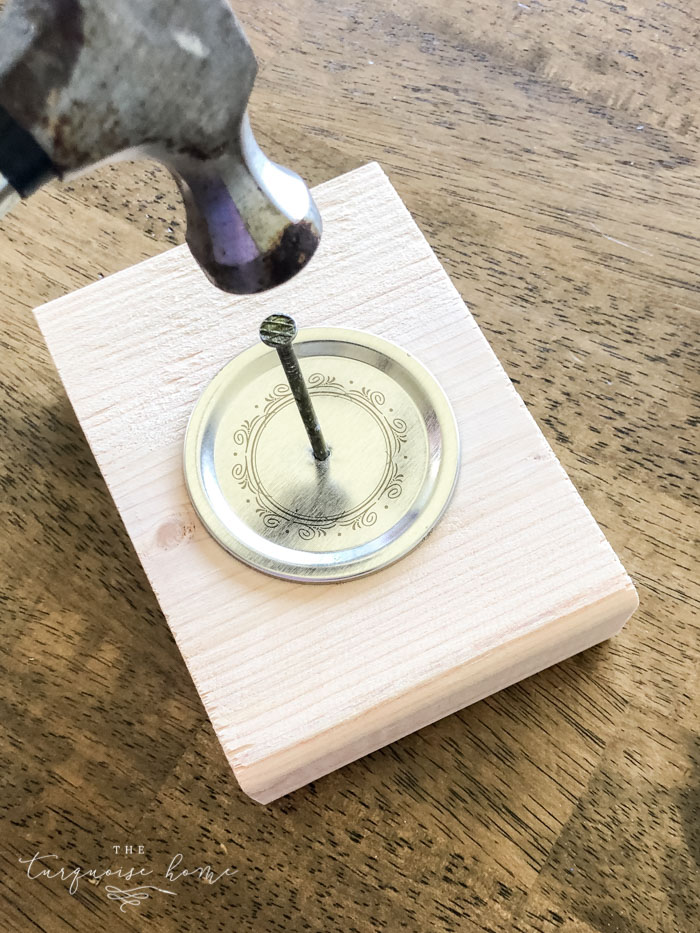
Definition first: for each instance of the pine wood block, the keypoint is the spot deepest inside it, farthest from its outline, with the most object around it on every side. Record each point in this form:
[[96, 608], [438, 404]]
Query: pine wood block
[[300, 679]]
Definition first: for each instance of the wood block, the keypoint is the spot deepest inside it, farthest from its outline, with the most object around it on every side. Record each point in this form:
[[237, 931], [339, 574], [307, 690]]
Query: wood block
[[298, 679]]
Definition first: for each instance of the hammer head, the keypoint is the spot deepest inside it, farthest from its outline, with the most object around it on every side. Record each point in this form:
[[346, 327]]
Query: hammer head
[[94, 80]]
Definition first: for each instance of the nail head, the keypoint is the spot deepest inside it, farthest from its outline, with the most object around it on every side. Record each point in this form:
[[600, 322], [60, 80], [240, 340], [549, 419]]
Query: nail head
[[278, 330]]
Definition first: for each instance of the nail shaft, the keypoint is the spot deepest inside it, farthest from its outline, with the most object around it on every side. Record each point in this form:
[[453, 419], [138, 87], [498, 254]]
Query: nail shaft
[[278, 331]]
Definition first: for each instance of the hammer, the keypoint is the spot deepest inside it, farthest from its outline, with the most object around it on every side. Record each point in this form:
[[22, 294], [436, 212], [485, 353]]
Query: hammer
[[88, 81]]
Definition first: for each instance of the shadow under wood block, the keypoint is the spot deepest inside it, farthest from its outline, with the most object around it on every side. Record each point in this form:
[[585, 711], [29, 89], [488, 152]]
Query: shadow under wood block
[[299, 679]]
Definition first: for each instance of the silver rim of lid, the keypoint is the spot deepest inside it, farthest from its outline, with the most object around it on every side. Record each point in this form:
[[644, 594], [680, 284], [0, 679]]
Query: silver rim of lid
[[393, 466]]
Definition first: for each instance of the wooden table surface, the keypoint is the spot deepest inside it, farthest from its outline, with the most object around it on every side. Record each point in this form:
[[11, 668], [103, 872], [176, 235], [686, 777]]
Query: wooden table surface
[[549, 152]]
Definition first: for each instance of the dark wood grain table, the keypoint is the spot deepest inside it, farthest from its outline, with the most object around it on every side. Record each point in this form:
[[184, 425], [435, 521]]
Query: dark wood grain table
[[549, 152]]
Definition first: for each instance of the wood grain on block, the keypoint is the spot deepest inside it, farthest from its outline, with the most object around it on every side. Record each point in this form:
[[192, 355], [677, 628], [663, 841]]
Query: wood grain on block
[[298, 679]]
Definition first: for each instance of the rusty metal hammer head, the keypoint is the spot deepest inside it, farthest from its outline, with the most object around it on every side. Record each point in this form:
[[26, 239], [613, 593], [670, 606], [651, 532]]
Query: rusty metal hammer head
[[86, 81]]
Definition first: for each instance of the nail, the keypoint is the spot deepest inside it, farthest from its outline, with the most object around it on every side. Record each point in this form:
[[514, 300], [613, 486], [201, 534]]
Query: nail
[[278, 331]]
